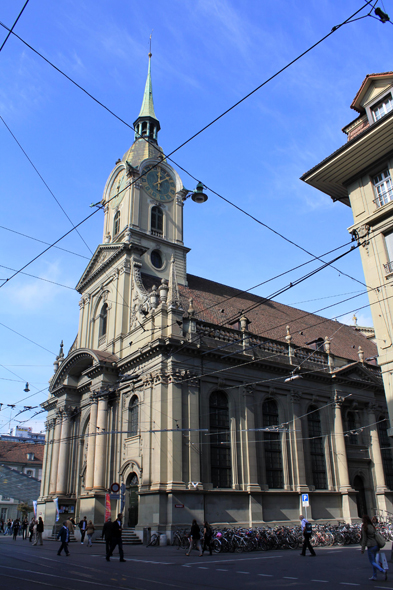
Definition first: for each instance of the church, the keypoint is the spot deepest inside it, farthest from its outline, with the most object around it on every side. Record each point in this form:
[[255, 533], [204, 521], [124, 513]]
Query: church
[[197, 399]]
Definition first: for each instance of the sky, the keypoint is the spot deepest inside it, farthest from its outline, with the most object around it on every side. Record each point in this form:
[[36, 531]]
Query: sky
[[207, 55]]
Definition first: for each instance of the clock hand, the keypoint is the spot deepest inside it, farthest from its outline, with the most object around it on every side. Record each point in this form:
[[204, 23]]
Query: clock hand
[[159, 181]]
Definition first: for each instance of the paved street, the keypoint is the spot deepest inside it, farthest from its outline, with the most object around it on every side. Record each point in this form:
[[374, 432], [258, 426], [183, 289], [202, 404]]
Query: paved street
[[21, 564]]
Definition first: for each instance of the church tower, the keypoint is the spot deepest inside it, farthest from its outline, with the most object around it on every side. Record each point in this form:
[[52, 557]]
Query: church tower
[[143, 236]]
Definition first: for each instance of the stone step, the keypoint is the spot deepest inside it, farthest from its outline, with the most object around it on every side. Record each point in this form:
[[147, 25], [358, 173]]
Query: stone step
[[129, 537]]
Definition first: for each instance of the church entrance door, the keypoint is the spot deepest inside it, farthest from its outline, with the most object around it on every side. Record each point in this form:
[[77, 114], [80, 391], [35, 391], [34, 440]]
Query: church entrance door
[[132, 500], [358, 485]]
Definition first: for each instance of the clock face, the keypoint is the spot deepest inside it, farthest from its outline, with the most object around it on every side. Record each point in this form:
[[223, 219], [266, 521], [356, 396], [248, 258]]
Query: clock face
[[159, 184], [117, 191]]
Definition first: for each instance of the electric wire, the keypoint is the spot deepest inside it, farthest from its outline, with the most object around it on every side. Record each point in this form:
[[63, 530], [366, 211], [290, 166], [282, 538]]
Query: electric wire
[[11, 30], [42, 242]]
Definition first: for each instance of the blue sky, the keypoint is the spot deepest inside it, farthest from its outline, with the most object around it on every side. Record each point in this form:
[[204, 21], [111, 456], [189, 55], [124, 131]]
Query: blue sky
[[207, 54]]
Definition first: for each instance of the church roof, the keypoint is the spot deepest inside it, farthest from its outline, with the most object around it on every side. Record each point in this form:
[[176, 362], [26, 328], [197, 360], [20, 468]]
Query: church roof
[[220, 304], [147, 109], [142, 150]]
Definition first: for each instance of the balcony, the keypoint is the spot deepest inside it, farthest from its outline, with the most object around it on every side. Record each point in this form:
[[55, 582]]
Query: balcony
[[388, 268]]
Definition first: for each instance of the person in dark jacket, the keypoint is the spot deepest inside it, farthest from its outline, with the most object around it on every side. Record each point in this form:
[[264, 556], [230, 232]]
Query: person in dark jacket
[[31, 529], [116, 538], [207, 537], [195, 537], [64, 536], [15, 528], [83, 527], [107, 533], [25, 526], [306, 530], [40, 530]]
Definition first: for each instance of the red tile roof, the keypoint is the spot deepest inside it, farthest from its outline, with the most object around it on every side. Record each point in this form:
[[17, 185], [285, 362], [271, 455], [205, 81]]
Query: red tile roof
[[16, 452], [219, 304]]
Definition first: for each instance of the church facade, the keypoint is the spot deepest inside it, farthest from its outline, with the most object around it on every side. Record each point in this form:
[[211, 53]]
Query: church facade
[[200, 400]]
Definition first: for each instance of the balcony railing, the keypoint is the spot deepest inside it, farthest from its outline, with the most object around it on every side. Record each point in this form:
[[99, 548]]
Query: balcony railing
[[388, 268]]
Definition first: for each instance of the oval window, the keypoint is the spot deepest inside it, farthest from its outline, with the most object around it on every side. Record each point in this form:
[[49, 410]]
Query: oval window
[[156, 259]]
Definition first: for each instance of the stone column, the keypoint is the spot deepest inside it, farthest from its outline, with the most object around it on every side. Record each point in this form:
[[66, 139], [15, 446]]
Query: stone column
[[91, 445], [298, 462], [376, 458], [341, 459], [62, 471], [194, 450], [100, 446], [44, 481], [175, 442], [55, 455], [251, 470]]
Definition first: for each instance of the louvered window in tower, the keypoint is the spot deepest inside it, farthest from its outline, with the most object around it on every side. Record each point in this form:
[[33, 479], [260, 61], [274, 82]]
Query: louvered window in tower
[[157, 221], [116, 224]]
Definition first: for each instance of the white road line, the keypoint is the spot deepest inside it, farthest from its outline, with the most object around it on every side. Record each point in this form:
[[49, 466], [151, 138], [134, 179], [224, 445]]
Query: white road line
[[289, 578], [236, 560], [186, 566], [326, 581], [266, 575], [242, 572], [202, 568], [219, 570], [349, 584]]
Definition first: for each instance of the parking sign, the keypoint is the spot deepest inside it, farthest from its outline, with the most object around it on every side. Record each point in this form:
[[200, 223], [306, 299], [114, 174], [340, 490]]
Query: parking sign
[[305, 501]]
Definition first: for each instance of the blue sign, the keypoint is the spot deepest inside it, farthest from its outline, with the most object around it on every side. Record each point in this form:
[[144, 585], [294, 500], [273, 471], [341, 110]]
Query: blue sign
[[304, 497]]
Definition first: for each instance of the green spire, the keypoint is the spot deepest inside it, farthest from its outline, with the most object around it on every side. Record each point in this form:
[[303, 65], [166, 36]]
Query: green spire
[[147, 109]]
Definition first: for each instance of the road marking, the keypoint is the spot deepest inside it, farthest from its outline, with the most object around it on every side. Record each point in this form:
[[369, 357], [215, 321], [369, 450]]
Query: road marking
[[326, 581], [233, 560], [289, 578], [186, 566], [242, 572], [266, 575], [202, 568], [219, 570], [349, 584]]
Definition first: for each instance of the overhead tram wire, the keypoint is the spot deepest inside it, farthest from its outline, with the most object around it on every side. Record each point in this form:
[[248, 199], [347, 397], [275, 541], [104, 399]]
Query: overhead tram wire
[[211, 123], [47, 186], [11, 30], [42, 242], [40, 278]]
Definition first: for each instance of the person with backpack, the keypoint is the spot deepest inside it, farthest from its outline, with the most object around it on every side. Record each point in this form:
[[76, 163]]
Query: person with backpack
[[195, 537], [307, 533], [372, 540]]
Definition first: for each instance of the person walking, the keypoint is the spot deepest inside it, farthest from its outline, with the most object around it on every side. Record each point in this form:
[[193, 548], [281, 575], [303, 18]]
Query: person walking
[[195, 537], [64, 536], [15, 528], [40, 530], [31, 529], [116, 538], [89, 533], [307, 532], [83, 526], [25, 526], [35, 532], [107, 533], [207, 537], [368, 540]]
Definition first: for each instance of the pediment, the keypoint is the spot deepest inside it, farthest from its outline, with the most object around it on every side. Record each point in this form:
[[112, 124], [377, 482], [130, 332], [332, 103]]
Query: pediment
[[358, 372], [104, 255]]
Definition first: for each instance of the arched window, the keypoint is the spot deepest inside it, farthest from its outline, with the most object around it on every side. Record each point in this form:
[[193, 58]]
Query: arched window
[[133, 416], [353, 439], [272, 445], [318, 465], [157, 219], [103, 320], [220, 445], [386, 452], [116, 224]]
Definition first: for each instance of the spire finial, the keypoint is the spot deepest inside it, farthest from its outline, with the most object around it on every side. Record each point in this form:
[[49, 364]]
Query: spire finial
[[150, 53]]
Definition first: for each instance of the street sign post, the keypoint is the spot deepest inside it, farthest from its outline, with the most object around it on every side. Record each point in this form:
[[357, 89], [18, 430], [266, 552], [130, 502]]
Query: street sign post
[[305, 502]]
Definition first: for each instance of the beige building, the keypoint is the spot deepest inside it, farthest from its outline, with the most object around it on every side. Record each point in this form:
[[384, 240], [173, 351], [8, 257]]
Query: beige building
[[359, 175], [202, 401]]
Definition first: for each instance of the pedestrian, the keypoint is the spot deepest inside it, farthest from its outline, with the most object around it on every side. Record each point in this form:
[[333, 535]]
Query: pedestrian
[[195, 537], [83, 526], [35, 532], [70, 525], [89, 533], [116, 538], [40, 530], [207, 537], [15, 528], [31, 529], [368, 540], [25, 526], [9, 527], [307, 532], [107, 533], [64, 536]]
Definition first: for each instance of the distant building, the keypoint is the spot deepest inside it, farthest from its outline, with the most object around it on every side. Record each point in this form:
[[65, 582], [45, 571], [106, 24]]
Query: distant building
[[24, 434], [24, 457]]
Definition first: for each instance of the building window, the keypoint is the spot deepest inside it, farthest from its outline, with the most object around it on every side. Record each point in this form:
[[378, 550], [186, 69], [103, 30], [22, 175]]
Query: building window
[[116, 223], [272, 445], [382, 108], [30, 456], [220, 446], [133, 416], [157, 220], [383, 188], [386, 452], [316, 449], [103, 320], [3, 514], [156, 259], [29, 473], [351, 422]]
